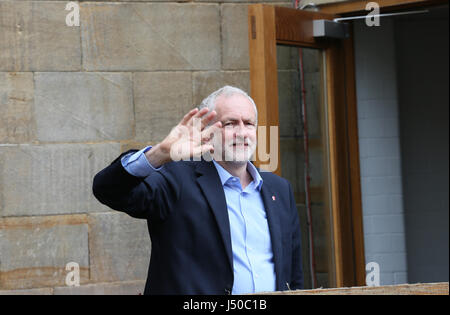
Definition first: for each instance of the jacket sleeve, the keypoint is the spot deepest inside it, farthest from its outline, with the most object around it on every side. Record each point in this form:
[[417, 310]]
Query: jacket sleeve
[[145, 198], [296, 282]]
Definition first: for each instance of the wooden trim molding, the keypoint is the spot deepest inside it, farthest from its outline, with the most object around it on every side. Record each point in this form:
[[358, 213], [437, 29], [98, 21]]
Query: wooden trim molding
[[295, 27], [354, 7], [263, 72]]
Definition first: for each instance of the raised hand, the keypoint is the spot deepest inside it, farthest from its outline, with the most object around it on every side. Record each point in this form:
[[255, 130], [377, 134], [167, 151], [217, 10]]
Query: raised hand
[[190, 138]]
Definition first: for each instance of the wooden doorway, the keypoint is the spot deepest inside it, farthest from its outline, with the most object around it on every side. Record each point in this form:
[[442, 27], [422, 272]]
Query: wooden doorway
[[269, 26]]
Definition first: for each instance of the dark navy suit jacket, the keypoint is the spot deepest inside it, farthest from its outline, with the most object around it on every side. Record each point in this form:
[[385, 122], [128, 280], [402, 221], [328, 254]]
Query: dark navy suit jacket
[[186, 211]]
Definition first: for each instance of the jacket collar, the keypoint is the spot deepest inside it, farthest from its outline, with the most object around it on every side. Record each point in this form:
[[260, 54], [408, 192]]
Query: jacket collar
[[225, 175]]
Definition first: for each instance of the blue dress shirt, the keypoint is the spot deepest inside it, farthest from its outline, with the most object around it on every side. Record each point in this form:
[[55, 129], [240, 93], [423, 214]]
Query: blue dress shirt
[[253, 265]]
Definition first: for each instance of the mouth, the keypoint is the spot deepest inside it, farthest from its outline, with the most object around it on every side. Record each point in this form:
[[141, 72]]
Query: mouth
[[242, 145]]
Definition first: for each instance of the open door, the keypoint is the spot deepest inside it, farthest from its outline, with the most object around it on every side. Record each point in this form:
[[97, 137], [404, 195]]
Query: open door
[[315, 112]]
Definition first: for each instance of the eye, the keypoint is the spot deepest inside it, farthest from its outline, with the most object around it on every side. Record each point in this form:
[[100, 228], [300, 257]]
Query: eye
[[229, 123]]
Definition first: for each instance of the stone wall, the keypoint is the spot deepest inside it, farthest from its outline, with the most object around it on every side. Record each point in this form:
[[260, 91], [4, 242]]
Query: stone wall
[[71, 99]]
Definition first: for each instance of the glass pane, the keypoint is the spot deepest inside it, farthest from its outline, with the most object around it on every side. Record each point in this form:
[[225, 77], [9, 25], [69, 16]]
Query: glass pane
[[303, 147]]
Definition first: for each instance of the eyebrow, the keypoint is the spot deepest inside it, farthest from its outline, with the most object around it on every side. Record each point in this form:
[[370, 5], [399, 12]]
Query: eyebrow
[[234, 120]]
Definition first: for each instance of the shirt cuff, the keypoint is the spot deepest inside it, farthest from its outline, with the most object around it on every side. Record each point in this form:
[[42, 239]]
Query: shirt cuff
[[137, 164]]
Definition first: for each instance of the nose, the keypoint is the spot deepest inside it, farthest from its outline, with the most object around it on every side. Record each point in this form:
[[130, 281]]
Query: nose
[[240, 130]]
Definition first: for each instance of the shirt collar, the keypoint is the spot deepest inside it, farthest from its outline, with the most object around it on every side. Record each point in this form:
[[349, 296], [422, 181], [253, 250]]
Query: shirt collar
[[225, 175]]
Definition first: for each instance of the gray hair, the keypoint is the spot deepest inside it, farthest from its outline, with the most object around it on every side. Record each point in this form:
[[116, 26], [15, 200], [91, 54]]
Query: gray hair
[[227, 91]]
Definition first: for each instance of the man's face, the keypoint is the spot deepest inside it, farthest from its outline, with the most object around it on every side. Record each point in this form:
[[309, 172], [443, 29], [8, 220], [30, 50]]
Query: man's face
[[238, 118]]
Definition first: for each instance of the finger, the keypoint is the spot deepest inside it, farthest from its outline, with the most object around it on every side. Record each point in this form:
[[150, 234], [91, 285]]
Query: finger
[[201, 119], [188, 116], [208, 118], [202, 112]]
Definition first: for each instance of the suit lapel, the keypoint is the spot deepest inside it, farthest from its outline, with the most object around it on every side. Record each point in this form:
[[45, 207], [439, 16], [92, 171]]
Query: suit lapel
[[210, 184], [271, 205]]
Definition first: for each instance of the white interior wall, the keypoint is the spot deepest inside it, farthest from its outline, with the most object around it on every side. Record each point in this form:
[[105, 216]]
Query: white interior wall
[[380, 156]]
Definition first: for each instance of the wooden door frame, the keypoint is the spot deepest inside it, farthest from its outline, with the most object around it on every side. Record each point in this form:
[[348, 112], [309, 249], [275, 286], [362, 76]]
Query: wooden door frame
[[269, 26], [359, 6]]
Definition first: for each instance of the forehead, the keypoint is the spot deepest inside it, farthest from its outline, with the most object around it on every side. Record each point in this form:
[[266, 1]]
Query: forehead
[[236, 106]]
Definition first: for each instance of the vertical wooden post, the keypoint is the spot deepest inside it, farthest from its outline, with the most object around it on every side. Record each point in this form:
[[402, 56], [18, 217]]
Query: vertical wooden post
[[344, 165], [353, 160], [263, 71], [332, 83]]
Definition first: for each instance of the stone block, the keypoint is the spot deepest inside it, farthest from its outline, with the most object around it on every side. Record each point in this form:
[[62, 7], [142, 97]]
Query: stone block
[[79, 106], [16, 107], [40, 291], [115, 288], [35, 37], [34, 251], [51, 179], [204, 83], [234, 36], [161, 100], [150, 36], [119, 247], [134, 145]]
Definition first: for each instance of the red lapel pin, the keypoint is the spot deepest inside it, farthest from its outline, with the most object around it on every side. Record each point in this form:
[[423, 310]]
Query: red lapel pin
[[273, 198]]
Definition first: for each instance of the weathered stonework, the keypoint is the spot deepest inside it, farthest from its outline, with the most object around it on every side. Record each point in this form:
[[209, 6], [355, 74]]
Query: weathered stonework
[[17, 123], [34, 251], [119, 247], [114, 288], [234, 37], [79, 106], [161, 99], [51, 179], [150, 36], [35, 37], [204, 83]]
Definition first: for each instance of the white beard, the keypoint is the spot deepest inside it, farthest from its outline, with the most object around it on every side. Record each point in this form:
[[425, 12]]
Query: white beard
[[238, 154]]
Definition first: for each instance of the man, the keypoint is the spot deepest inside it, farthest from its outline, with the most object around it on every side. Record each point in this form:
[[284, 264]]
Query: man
[[217, 227]]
